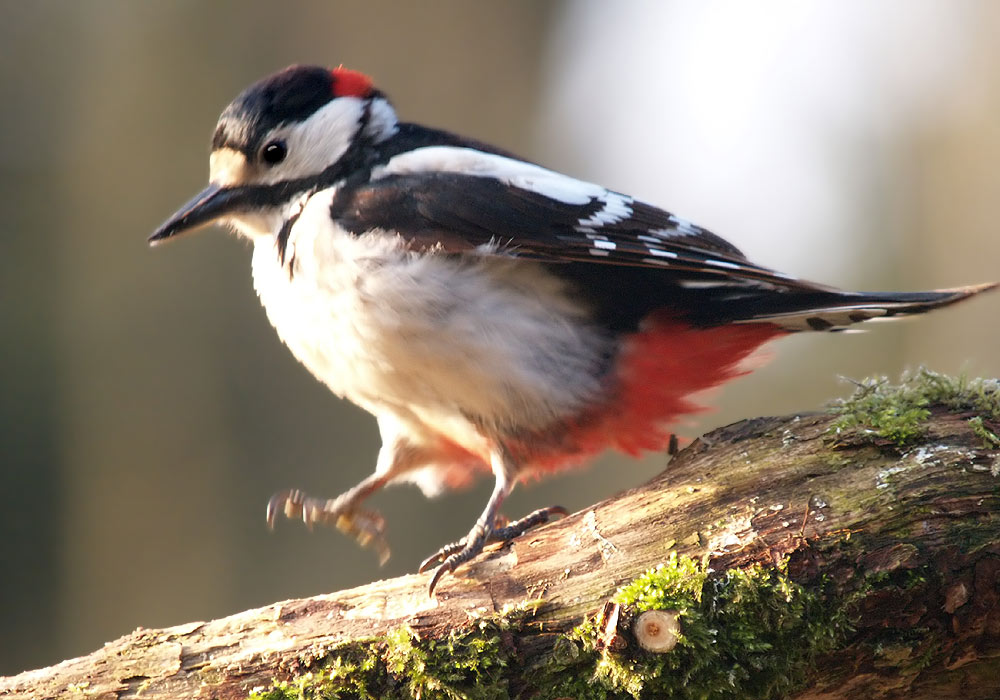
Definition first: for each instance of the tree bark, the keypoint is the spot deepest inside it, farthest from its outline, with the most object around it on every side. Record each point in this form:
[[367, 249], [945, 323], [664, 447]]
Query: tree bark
[[904, 541]]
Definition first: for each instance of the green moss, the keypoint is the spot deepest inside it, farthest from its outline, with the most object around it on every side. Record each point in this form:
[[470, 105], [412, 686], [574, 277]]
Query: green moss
[[469, 664], [748, 633], [744, 634], [989, 438], [897, 413], [464, 665], [351, 671]]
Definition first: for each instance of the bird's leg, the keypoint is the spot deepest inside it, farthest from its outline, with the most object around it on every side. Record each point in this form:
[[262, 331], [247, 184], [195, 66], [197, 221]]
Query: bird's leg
[[342, 512], [519, 527], [499, 534], [473, 543], [398, 455], [485, 530]]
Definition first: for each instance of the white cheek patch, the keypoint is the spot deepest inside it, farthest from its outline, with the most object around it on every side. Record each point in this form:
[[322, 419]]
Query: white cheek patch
[[316, 143], [382, 122]]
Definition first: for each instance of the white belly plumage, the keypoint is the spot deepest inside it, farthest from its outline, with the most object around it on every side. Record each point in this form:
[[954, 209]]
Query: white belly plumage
[[428, 337]]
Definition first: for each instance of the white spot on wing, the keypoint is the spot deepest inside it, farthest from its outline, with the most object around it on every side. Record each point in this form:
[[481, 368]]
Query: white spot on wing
[[723, 263], [662, 253], [702, 284]]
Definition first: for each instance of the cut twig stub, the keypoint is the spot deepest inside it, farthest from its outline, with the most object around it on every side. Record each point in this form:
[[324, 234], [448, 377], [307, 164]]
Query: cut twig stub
[[657, 630], [608, 637]]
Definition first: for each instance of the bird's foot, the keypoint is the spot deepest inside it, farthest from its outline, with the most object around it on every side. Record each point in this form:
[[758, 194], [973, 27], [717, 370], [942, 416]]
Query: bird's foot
[[366, 526], [451, 555]]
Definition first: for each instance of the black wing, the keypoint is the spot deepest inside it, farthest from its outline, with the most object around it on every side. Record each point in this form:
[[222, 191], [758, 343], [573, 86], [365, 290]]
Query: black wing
[[658, 259], [460, 212]]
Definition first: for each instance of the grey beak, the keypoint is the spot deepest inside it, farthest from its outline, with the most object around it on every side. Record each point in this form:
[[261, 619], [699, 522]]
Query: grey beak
[[209, 205]]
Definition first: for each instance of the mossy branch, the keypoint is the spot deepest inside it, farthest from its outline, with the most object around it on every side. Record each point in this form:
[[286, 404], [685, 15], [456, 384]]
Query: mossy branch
[[812, 556]]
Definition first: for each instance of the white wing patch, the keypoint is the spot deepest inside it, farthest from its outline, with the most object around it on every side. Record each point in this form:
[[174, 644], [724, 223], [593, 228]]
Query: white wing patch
[[526, 176]]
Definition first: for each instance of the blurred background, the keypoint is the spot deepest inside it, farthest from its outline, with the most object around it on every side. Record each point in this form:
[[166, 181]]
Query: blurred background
[[147, 409]]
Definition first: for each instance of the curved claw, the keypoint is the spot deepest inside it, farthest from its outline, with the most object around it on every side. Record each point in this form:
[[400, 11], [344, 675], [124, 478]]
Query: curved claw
[[440, 555], [367, 527], [445, 568], [289, 501]]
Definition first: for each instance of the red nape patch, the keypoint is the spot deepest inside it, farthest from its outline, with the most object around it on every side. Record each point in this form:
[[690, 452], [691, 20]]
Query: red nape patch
[[659, 372], [350, 83]]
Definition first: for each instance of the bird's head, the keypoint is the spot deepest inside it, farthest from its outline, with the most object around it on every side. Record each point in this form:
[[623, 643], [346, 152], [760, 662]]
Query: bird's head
[[296, 131]]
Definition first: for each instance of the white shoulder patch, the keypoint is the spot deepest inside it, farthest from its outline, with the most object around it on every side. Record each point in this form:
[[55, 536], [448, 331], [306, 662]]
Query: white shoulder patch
[[469, 161]]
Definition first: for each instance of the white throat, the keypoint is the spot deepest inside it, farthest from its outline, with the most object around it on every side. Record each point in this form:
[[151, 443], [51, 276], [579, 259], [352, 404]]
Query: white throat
[[258, 226]]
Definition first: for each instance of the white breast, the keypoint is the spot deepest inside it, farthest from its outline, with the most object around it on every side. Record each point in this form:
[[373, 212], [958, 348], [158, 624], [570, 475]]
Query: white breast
[[478, 340]]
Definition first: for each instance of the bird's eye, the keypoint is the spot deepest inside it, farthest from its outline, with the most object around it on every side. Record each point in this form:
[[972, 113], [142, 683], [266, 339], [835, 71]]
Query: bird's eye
[[274, 152]]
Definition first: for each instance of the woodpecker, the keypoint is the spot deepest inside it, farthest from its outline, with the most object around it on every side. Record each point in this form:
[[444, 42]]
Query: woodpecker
[[493, 315]]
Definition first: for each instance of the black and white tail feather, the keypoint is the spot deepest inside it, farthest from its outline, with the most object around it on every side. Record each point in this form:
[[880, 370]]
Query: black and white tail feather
[[845, 309]]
